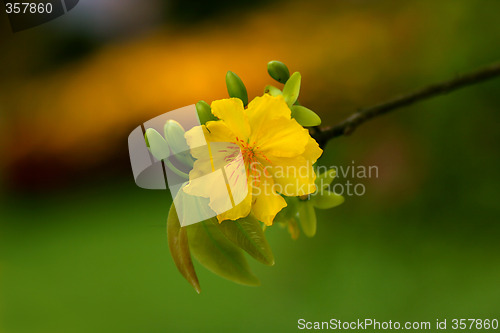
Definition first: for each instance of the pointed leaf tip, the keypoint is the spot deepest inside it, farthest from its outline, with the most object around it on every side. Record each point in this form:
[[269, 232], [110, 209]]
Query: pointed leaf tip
[[179, 248]]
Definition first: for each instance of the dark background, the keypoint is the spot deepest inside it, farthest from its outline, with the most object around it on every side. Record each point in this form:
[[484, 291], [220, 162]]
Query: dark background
[[82, 249]]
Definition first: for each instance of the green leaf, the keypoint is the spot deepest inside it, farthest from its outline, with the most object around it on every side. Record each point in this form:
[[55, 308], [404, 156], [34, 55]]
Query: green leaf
[[325, 179], [326, 199], [158, 146], [247, 233], [288, 212], [204, 112], [307, 218], [278, 71], [214, 251], [179, 248], [273, 91], [236, 88], [291, 89], [190, 207], [304, 116]]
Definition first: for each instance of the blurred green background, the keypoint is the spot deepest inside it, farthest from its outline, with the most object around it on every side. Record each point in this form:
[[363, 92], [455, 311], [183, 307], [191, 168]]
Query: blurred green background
[[82, 249]]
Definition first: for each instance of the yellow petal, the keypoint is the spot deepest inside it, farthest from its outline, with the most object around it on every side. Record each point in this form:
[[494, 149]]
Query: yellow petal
[[240, 210], [231, 112], [219, 174], [312, 151], [238, 187], [266, 202], [219, 131], [212, 186], [263, 109], [213, 156], [294, 176], [199, 137], [281, 137], [212, 131]]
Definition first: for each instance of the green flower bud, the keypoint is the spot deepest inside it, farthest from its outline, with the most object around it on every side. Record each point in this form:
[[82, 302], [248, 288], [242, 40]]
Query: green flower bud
[[236, 88], [157, 144], [325, 179], [204, 112], [278, 71], [326, 199], [174, 133], [307, 218], [273, 91], [292, 89], [304, 116]]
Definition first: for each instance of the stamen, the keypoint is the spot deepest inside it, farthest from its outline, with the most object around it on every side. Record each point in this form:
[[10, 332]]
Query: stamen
[[251, 156]]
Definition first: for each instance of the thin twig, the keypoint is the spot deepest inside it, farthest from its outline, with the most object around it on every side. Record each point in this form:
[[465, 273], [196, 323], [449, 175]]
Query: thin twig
[[346, 127]]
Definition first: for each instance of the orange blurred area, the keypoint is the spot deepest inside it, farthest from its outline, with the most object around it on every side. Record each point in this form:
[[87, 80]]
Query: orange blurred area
[[79, 114]]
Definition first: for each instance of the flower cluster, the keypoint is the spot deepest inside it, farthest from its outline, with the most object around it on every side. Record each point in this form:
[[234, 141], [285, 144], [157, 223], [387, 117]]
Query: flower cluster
[[269, 139]]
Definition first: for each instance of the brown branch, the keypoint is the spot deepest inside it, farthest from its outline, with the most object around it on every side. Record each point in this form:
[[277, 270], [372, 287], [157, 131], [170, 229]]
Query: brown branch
[[346, 127]]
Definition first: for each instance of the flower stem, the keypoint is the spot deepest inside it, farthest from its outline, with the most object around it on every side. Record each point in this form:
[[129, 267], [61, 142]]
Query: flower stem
[[346, 127]]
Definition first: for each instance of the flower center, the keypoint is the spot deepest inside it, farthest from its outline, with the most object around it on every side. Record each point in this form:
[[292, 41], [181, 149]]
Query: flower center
[[251, 153]]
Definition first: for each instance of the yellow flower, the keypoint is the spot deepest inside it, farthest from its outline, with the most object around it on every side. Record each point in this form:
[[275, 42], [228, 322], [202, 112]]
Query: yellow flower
[[276, 151]]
